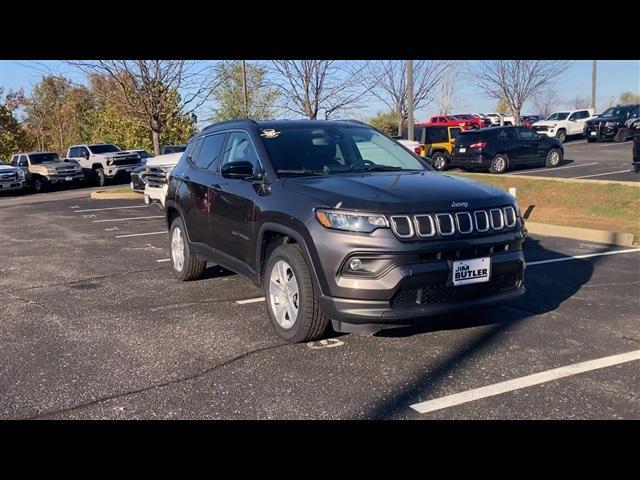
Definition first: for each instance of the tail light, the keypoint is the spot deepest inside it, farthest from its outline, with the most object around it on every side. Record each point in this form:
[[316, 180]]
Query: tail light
[[479, 145]]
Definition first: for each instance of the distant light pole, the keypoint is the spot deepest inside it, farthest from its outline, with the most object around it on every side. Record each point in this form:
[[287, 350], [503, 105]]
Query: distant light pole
[[244, 89], [593, 85], [410, 99]]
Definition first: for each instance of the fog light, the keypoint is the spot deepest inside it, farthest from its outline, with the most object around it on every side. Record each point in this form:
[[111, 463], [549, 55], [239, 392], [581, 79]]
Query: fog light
[[355, 264]]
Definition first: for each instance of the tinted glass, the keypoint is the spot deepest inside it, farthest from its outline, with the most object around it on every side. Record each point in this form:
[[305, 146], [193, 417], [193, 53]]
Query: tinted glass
[[210, 152], [23, 161], [240, 149], [454, 132], [558, 116], [106, 148], [526, 133], [614, 112], [38, 158], [466, 138], [437, 135], [335, 149]]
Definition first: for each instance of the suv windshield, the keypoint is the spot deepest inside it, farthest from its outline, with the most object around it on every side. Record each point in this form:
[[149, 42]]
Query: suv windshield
[[38, 158], [558, 116], [107, 148], [335, 149]]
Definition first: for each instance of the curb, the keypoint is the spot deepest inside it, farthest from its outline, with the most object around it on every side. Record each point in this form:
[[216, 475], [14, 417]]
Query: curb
[[554, 179], [587, 234], [106, 195]]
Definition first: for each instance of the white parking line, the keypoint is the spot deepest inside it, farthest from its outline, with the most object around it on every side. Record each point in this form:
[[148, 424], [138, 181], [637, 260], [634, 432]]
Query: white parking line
[[109, 208], [524, 382], [538, 170], [250, 300], [601, 174], [140, 234], [125, 219], [589, 255], [162, 260]]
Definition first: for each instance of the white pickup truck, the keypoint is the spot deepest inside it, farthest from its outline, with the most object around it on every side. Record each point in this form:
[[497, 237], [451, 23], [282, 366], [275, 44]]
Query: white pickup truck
[[564, 124], [156, 176], [103, 161], [495, 119]]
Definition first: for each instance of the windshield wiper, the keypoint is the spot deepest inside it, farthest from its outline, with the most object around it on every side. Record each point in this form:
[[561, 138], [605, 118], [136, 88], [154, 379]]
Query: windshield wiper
[[300, 171], [382, 168]]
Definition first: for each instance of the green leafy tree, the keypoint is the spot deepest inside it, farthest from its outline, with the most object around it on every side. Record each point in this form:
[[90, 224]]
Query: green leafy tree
[[58, 113], [261, 99], [629, 97], [386, 122], [12, 137]]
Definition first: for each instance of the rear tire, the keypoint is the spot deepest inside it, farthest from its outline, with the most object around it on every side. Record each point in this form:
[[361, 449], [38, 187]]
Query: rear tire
[[554, 157], [439, 161], [183, 264], [561, 136], [294, 311], [499, 164]]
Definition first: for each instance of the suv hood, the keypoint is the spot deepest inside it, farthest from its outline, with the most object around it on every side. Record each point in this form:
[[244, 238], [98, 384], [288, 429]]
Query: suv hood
[[405, 192], [8, 168], [162, 160]]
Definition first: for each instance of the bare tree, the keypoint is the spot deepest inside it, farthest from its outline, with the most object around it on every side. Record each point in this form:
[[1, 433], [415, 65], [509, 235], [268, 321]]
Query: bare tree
[[545, 102], [309, 86], [389, 84], [516, 80], [580, 102], [445, 98], [145, 87]]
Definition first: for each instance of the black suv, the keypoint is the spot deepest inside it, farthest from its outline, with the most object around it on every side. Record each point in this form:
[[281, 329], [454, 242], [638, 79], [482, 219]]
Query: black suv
[[612, 124], [498, 148], [337, 221]]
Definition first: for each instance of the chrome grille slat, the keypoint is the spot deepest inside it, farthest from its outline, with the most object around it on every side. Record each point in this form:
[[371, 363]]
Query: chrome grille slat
[[494, 219]]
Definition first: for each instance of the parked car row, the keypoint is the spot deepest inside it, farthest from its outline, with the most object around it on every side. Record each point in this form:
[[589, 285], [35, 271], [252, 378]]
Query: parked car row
[[449, 142], [84, 164]]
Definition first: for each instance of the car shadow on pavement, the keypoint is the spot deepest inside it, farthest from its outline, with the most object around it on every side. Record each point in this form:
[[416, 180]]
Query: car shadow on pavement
[[545, 293], [216, 271]]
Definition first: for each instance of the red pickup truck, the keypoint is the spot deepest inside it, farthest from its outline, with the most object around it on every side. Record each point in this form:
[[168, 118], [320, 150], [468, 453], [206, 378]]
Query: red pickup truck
[[465, 122]]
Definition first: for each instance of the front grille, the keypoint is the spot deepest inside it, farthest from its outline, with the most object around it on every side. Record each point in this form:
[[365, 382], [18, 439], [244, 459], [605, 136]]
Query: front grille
[[440, 293], [540, 128], [65, 171], [8, 177], [155, 177], [444, 225], [130, 160]]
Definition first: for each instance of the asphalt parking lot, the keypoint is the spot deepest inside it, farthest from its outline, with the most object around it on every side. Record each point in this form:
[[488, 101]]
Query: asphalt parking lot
[[94, 326], [596, 161]]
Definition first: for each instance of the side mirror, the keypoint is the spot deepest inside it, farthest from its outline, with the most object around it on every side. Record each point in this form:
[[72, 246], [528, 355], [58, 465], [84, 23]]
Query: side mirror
[[241, 169]]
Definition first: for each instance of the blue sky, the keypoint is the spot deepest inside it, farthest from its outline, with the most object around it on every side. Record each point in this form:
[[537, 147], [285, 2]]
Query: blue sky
[[614, 77]]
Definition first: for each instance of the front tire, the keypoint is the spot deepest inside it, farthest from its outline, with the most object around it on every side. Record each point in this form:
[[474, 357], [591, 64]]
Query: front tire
[[561, 136], [554, 157], [99, 177], [499, 164], [40, 184], [291, 298], [621, 136], [439, 161], [183, 264]]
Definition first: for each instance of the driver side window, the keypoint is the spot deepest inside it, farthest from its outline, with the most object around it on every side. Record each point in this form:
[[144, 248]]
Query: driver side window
[[240, 149]]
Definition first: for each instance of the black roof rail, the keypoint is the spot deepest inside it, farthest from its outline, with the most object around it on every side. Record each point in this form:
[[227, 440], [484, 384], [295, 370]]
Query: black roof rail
[[352, 120], [226, 122]]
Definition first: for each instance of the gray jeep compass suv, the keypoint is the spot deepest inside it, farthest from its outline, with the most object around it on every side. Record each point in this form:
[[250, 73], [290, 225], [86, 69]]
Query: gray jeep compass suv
[[337, 222]]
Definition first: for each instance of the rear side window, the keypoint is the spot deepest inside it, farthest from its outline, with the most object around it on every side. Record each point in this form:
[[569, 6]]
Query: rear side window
[[467, 138], [526, 133], [437, 135], [210, 152], [454, 132]]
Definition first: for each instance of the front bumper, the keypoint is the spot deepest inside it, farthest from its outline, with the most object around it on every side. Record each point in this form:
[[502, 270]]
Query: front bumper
[[601, 133], [116, 170], [156, 194], [12, 185], [72, 177], [423, 290]]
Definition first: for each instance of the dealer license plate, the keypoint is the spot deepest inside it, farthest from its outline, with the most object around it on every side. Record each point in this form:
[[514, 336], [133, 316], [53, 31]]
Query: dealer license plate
[[476, 270], [68, 179], [462, 150], [593, 134]]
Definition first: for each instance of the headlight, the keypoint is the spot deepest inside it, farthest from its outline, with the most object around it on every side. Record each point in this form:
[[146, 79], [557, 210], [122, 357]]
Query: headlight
[[78, 168], [351, 221], [21, 174], [110, 161]]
